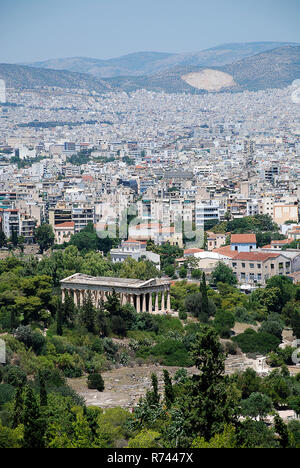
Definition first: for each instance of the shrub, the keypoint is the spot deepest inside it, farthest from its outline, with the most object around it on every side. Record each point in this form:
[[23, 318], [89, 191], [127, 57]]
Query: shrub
[[252, 342], [182, 315], [14, 376], [30, 338], [166, 323], [95, 382], [170, 353], [272, 327], [243, 316], [6, 393]]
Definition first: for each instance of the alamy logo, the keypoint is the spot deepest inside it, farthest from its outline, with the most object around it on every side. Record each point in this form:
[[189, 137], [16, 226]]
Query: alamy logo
[[2, 352], [296, 353]]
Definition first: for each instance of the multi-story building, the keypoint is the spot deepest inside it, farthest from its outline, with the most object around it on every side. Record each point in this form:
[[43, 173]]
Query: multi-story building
[[136, 250], [27, 228], [209, 211], [10, 222], [257, 267], [63, 232], [243, 242]]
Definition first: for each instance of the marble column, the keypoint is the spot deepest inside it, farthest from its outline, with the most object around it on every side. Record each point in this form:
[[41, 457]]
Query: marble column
[[82, 296], [138, 304], [63, 295], [144, 303], [163, 301], [168, 301], [150, 306], [75, 299], [156, 303], [131, 299]]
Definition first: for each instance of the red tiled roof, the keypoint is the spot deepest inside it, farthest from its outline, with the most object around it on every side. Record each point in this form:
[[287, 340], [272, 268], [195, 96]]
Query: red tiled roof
[[255, 256], [281, 242], [192, 251], [243, 239], [226, 250], [68, 224]]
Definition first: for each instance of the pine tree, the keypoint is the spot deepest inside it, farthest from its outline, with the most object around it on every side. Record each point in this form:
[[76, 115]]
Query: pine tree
[[169, 391]]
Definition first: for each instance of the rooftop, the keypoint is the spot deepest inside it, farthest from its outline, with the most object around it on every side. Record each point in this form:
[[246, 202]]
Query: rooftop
[[80, 278], [243, 239]]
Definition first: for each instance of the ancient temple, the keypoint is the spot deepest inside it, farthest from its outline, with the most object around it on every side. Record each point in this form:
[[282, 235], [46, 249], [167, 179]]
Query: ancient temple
[[143, 295]]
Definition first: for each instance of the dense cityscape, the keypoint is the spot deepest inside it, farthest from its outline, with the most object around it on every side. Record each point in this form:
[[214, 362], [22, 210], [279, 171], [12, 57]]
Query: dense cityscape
[[150, 263]]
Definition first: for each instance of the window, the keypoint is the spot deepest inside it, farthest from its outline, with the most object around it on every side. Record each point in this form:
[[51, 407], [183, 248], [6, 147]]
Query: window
[[251, 265], [259, 266], [234, 265], [272, 266], [243, 265]]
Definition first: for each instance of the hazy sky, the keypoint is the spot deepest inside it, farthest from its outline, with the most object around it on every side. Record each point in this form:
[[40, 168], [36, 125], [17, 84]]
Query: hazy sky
[[32, 30]]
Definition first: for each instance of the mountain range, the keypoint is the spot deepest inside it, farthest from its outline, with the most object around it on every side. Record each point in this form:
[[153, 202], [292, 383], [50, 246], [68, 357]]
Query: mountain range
[[149, 63], [275, 68], [232, 67]]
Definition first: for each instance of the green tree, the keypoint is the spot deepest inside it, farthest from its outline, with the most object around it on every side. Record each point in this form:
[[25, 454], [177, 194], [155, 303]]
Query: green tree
[[96, 382], [18, 408], [144, 439], [45, 237], [88, 313], [169, 391], [14, 237], [205, 407], [43, 391], [223, 274], [257, 406], [152, 396], [3, 240], [33, 427], [295, 323], [203, 291], [59, 320]]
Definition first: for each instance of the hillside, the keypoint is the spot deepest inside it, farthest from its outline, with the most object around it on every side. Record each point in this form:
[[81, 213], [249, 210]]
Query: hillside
[[275, 68], [149, 63], [272, 69], [22, 77]]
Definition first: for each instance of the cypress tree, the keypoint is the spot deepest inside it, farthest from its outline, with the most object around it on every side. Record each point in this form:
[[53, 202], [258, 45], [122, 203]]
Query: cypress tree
[[33, 425], [203, 290], [153, 396], [59, 320], [88, 315], [68, 311], [169, 391], [18, 408], [43, 391], [14, 237]]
